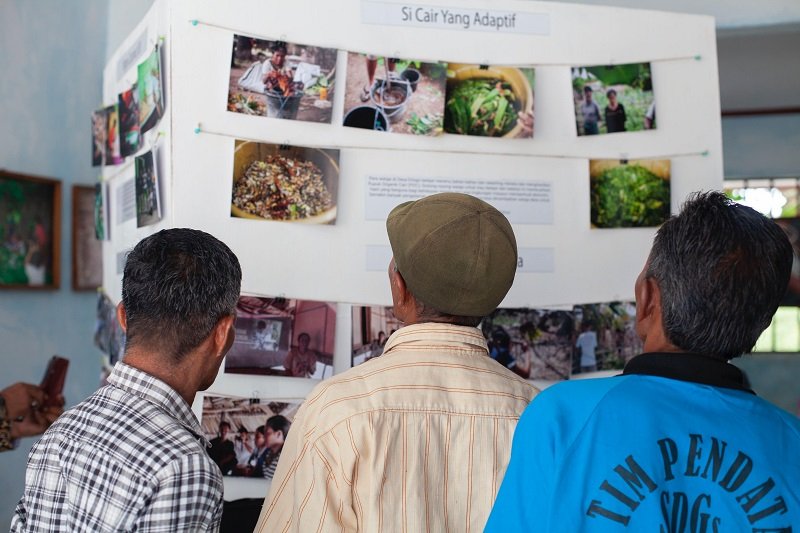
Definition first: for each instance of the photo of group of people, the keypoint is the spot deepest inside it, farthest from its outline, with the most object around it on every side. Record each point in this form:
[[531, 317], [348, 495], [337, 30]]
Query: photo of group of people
[[629, 193], [532, 343], [148, 198], [607, 336], [281, 80], [117, 129], [246, 435], [284, 183], [553, 345], [536, 344], [613, 99], [283, 337], [372, 327]]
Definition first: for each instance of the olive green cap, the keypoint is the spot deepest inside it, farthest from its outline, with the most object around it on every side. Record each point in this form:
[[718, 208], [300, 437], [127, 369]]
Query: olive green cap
[[455, 252]]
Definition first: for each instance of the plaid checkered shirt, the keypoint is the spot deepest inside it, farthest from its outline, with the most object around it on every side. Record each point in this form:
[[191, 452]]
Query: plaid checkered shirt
[[129, 457]]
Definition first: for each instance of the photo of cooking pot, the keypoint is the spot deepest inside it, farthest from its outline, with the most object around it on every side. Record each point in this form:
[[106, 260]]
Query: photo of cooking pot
[[489, 101], [397, 95]]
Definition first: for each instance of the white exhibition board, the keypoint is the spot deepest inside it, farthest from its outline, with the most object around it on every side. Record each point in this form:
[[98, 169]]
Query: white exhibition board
[[570, 262]]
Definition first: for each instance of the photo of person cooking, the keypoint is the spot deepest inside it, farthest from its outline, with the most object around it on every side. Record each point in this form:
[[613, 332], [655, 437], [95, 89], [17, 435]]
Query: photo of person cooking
[[281, 80]]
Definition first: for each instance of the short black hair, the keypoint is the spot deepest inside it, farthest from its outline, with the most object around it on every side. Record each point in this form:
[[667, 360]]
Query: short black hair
[[722, 269], [610, 92], [304, 334], [279, 423], [224, 423], [587, 89], [278, 46], [177, 285]]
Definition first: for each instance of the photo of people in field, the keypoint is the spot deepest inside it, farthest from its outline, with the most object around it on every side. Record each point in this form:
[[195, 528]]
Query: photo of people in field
[[613, 99]]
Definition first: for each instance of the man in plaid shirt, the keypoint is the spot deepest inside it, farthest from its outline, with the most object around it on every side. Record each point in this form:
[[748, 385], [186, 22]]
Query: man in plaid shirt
[[132, 456]]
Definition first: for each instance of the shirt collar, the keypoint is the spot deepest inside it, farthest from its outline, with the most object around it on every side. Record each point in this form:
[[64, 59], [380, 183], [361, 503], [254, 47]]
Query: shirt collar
[[435, 333], [692, 367], [155, 391]]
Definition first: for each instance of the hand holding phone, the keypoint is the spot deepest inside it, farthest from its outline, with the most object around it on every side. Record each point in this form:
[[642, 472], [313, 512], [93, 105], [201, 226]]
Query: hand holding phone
[[53, 382]]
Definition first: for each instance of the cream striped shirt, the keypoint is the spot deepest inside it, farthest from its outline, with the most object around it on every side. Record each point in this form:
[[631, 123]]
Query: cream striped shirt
[[415, 440]]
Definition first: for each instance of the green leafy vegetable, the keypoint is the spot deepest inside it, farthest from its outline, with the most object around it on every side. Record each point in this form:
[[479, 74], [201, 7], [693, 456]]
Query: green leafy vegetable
[[629, 196], [485, 107], [430, 124]]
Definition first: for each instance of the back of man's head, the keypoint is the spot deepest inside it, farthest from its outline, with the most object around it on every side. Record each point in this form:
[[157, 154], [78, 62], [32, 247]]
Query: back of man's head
[[177, 284], [722, 269], [456, 253]]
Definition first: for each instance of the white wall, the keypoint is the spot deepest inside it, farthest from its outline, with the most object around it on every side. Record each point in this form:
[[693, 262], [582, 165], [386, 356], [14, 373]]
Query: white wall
[[52, 58]]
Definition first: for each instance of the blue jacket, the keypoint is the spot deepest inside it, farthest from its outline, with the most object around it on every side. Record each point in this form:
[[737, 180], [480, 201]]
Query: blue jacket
[[675, 444]]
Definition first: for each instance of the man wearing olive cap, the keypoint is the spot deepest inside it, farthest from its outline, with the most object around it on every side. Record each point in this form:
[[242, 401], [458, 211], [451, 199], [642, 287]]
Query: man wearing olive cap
[[417, 439]]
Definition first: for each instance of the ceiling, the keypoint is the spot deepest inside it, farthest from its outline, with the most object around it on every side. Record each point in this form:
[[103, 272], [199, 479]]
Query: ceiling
[[730, 14]]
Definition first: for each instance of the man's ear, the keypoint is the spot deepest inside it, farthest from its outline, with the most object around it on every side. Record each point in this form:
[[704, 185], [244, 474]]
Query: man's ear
[[400, 284], [221, 334], [405, 303], [648, 306], [122, 317]]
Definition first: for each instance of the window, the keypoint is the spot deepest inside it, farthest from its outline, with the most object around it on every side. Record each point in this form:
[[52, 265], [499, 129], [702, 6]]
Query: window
[[776, 198]]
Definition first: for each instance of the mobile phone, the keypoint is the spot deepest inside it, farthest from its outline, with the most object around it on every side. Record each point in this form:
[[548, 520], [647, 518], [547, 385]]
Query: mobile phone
[[54, 377]]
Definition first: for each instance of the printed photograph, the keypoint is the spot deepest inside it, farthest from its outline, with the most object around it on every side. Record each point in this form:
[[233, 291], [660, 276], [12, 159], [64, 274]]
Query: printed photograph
[[128, 107], [532, 343], [100, 217], [283, 337], [246, 434], [281, 80], [613, 99], [30, 231], [109, 337], [284, 183], [606, 336], [87, 251], [113, 155], [397, 95], [99, 131], [148, 205], [490, 101], [791, 226], [629, 193], [372, 327], [149, 87]]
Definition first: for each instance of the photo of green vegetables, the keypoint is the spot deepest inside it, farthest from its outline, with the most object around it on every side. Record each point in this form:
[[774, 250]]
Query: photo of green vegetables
[[629, 194], [489, 101], [613, 98]]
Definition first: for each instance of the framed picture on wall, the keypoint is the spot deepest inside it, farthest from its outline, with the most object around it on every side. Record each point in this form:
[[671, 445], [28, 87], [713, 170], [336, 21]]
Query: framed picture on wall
[[87, 264], [30, 231]]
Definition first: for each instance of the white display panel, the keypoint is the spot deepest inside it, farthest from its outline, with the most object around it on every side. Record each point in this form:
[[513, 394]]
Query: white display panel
[[572, 263]]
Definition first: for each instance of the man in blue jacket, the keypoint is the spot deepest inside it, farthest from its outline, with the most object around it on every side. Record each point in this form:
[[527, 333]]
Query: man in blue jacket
[[678, 442]]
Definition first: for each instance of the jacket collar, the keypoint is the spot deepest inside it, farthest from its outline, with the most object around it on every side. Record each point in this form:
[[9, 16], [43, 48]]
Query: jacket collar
[[691, 367]]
